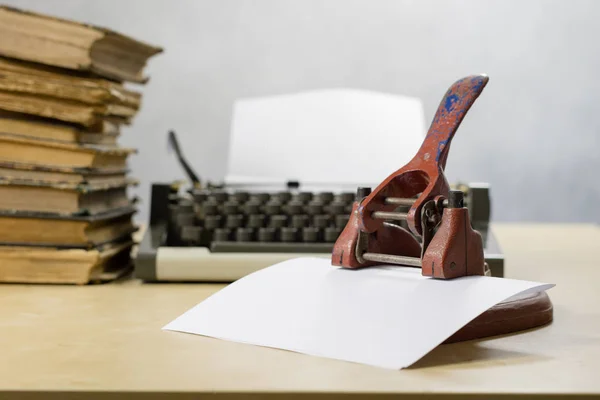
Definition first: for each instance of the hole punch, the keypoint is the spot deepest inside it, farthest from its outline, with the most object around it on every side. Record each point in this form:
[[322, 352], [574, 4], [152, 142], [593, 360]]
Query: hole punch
[[439, 238]]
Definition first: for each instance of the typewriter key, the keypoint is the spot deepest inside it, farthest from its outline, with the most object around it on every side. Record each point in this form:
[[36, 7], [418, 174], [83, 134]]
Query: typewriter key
[[222, 235], [252, 207], [299, 221], [315, 207], [261, 197], [325, 197], [244, 235], [347, 197], [234, 221], [184, 219], [191, 234], [200, 196], [210, 208], [341, 220], [185, 207], [241, 197], [273, 208], [331, 234], [303, 197], [294, 207], [337, 208], [219, 196], [266, 234], [321, 221], [289, 234], [256, 221], [310, 234], [283, 197], [231, 207], [278, 221], [212, 221]]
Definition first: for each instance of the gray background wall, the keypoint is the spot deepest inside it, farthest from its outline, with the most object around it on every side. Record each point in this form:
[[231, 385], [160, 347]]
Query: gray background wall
[[533, 135]]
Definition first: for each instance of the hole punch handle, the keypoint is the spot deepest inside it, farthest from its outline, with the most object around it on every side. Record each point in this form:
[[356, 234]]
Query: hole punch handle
[[452, 109]]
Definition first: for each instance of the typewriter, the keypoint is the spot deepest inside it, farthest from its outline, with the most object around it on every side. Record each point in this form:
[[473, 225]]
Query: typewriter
[[220, 233]]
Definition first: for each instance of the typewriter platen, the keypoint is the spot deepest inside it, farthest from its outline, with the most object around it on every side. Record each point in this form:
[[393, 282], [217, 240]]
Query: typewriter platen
[[220, 234]]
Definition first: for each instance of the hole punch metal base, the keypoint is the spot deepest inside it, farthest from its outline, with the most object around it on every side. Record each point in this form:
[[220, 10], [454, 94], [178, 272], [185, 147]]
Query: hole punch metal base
[[514, 315]]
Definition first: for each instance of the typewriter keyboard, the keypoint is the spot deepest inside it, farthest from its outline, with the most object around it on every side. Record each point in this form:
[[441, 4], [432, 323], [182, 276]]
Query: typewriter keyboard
[[241, 221]]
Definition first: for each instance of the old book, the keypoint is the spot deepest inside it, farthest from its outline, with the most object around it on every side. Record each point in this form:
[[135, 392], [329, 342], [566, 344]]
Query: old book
[[68, 44], [65, 266], [120, 121], [39, 152], [44, 129], [62, 198], [65, 110], [98, 139], [79, 176], [96, 88], [14, 82], [26, 84], [26, 228]]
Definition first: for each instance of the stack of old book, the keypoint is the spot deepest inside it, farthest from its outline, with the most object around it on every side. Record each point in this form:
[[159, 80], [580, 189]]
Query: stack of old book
[[66, 215]]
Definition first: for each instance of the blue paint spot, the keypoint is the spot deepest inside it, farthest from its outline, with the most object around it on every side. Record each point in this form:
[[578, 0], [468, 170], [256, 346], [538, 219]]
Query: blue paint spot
[[450, 100], [478, 84], [441, 146], [453, 108]]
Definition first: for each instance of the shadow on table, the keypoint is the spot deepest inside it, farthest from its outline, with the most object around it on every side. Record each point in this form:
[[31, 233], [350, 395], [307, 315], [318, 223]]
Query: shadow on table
[[475, 353]]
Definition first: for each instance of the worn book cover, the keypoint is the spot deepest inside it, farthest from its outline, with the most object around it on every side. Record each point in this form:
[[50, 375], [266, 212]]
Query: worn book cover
[[42, 152], [63, 198], [103, 263], [25, 228], [57, 174], [73, 45]]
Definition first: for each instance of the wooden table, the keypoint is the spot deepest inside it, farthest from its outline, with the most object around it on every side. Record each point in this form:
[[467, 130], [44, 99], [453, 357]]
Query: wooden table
[[63, 342]]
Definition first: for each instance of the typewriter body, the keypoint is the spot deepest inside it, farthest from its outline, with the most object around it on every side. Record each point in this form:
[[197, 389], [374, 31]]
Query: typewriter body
[[220, 233]]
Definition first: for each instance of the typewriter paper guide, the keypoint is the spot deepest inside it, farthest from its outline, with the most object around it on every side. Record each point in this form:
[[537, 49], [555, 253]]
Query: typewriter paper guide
[[387, 316], [336, 136]]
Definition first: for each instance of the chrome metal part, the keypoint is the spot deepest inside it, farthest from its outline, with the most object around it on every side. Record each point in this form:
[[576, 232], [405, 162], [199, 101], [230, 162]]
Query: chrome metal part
[[396, 216], [391, 259], [400, 201]]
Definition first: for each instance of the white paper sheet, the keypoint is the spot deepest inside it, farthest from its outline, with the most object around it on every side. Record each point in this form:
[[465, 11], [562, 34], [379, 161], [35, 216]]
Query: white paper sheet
[[323, 136], [386, 316]]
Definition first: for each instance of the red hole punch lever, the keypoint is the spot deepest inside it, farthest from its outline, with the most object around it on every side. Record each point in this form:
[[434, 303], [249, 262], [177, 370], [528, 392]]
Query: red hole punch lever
[[442, 242]]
